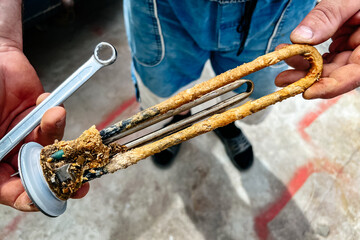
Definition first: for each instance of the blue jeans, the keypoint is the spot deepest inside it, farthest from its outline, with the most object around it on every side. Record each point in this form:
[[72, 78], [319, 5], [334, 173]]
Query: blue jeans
[[170, 40]]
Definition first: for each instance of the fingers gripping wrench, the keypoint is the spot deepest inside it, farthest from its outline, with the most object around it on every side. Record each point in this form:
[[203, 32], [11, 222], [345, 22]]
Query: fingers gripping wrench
[[104, 55]]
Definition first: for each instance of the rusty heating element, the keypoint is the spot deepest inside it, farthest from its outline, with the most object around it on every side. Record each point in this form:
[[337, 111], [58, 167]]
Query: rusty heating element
[[69, 164]]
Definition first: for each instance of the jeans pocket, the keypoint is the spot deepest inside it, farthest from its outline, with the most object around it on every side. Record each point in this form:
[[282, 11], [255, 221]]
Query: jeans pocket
[[144, 31]]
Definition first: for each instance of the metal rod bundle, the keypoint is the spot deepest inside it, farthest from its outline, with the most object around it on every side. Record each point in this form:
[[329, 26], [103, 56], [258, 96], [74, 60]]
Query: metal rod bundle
[[220, 107], [144, 148]]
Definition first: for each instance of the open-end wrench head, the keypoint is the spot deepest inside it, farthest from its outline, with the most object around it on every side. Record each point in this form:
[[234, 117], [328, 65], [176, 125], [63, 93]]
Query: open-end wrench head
[[34, 182]]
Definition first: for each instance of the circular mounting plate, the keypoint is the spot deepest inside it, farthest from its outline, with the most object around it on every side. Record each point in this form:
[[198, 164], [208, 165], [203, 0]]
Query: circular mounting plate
[[34, 182]]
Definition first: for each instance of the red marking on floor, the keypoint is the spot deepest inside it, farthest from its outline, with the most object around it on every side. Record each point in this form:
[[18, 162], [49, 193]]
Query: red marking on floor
[[298, 180], [312, 116], [300, 177], [11, 227], [117, 112]]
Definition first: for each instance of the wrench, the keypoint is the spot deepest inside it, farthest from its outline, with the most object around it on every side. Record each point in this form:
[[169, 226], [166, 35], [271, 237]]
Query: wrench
[[98, 60]]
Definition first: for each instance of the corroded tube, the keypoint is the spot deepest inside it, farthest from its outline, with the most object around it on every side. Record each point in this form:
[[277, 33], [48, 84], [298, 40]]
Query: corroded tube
[[125, 159]]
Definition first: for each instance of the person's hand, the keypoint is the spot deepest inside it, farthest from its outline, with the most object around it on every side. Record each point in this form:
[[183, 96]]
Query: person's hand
[[340, 21], [20, 90]]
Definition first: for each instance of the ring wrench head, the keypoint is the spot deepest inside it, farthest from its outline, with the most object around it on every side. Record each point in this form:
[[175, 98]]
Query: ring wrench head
[[105, 53]]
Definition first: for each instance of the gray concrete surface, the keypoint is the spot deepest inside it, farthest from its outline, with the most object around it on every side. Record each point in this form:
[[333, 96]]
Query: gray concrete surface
[[303, 185]]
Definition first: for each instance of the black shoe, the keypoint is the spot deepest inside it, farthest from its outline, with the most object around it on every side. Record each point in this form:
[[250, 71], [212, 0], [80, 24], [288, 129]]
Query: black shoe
[[237, 147], [165, 158]]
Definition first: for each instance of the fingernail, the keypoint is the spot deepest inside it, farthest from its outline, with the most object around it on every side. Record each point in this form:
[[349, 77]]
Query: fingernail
[[303, 33]]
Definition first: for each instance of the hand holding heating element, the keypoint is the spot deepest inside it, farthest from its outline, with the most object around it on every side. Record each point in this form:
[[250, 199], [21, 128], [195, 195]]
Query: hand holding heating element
[[68, 164]]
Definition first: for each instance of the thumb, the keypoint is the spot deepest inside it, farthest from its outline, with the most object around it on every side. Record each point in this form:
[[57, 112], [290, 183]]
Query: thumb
[[324, 20]]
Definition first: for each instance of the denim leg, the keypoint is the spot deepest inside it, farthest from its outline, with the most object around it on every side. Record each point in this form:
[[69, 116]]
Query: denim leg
[[170, 40], [165, 56], [271, 24]]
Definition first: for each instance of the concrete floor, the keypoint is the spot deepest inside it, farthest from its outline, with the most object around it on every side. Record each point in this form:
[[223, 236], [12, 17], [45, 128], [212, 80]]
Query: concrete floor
[[303, 185]]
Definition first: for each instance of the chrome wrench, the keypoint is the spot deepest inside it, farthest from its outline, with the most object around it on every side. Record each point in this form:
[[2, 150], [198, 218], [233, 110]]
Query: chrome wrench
[[104, 55]]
